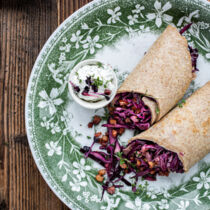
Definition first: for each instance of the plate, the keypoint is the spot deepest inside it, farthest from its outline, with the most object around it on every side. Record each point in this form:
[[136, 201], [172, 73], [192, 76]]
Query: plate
[[118, 32]]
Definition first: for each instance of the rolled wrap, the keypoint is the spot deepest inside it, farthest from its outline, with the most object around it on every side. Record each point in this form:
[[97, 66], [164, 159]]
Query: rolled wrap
[[164, 73], [185, 130]]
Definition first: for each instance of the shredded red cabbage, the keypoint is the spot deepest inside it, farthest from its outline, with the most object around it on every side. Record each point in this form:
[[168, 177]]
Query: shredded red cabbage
[[193, 51], [129, 111], [141, 157]]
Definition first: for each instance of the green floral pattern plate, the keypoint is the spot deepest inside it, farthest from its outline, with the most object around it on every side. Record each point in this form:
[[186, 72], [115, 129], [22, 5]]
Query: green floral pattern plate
[[118, 32]]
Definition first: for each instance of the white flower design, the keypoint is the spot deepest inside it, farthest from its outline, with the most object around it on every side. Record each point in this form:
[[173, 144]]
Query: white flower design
[[50, 101], [203, 180], [84, 26], [86, 194], [55, 128], [45, 123], [158, 15], [115, 15], [62, 57], [152, 193], [53, 148], [138, 10], [163, 204], [138, 205], [183, 205], [86, 200], [80, 168], [92, 44], [79, 198], [95, 198], [142, 28], [77, 184], [65, 48], [76, 38], [133, 19], [64, 40]]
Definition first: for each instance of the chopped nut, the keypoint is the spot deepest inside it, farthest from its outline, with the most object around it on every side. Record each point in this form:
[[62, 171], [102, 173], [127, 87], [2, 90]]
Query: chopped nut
[[111, 190], [96, 120], [123, 166], [90, 125], [98, 134], [123, 103], [114, 133], [127, 120], [121, 131], [99, 178], [152, 172], [138, 163], [102, 172], [105, 138], [133, 108], [137, 111], [113, 122], [151, 164]]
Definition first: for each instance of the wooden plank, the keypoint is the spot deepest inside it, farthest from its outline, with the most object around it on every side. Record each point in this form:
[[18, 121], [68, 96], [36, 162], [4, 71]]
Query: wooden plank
[[24, 28]]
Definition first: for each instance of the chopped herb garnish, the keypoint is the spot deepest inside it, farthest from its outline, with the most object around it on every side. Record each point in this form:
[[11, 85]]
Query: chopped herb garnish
[[99, 64], [157, 110], [180, 104], [88, 137], [98, 82], [106, 115], [80, 81]]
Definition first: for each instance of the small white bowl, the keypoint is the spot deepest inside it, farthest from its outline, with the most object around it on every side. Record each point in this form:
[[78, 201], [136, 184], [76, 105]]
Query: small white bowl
[[86, 104]]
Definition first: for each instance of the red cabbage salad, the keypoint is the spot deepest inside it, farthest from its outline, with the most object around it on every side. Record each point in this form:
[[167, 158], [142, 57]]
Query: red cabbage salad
[[140, 158], [129, 111]]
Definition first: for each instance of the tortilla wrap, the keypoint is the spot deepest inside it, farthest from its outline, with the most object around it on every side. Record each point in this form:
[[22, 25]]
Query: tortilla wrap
[[164, 73], [185, 130]]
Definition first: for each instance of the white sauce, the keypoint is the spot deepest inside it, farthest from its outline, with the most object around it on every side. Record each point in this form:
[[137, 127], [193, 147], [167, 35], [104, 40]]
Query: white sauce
[[101, 74]]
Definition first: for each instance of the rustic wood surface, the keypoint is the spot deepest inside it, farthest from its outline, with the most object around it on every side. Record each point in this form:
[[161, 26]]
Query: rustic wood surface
[[25, 25]]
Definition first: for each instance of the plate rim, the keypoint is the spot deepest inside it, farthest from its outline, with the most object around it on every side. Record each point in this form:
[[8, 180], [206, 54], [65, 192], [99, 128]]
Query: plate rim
[[89, 6]]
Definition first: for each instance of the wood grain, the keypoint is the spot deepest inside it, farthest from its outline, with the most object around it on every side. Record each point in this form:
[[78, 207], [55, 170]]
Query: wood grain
[[25, 25]]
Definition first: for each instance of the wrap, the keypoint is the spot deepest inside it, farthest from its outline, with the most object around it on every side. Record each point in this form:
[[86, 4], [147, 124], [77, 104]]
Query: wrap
[[186, 130], [164, 73]]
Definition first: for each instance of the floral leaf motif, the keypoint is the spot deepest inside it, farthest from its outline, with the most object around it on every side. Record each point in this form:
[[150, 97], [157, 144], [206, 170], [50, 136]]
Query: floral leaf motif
[[77, 184], [159, 15], [64, 178], [183, 205], [53, 148], [132, 19], [115, 15], [203, 181], [138, 205], [91, 44]]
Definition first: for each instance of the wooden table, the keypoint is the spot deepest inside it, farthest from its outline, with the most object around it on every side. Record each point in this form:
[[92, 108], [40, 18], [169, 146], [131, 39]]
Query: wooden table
[[25, 25]]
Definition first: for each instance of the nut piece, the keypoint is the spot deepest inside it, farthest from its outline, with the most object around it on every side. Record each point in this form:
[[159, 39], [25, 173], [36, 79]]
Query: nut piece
[[102, 172], [111, 190], [114, 133], [97, 134], [138, 163], [105, 138], [96, 120], [121, 131], [123, 166], [151, 164], [99, 178], [113, 122]]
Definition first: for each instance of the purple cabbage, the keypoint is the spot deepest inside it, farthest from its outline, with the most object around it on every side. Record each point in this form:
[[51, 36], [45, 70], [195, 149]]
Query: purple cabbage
[[130, 112], [193, 51]]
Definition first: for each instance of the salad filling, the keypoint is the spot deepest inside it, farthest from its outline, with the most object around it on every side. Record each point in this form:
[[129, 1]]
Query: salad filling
[[140, 158], [93, 82], [129, 110]]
